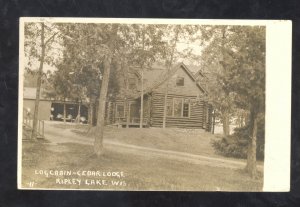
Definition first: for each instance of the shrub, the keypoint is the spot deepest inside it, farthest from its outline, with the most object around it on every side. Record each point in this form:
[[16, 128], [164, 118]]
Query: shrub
[[227, 149], [236, 145]]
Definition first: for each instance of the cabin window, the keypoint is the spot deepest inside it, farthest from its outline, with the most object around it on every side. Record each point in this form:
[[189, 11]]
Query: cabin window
[[177, 107], [180, 81], [119, 110], [170, 107], [186, 108], [132, 83]]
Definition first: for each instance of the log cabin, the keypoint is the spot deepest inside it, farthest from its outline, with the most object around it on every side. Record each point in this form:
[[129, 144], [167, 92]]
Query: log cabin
[[186, 105]]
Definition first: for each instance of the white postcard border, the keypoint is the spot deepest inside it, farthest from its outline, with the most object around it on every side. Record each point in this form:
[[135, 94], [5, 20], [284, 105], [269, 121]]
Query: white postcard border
[[278, 90]]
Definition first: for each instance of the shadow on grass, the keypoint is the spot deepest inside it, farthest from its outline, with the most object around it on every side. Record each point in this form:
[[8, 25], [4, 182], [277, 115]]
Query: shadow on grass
[[140, 172]]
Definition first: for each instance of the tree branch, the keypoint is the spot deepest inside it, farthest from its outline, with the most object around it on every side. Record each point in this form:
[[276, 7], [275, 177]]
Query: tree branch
[[51, 38]]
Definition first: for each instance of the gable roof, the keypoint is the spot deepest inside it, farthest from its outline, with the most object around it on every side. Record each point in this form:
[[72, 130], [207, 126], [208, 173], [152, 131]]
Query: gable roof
[[193, 77], [169, 74], [199, 73], [156, 76]]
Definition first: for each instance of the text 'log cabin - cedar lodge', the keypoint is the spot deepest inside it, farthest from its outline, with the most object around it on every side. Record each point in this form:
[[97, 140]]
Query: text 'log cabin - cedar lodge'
[[186, 104]]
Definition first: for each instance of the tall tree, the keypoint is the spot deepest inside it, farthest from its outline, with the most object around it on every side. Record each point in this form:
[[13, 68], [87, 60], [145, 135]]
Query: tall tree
[[93, 45], [176, 36], [110, 46], [214, 63], [146, 45], [248, 81], [170, 53], [38, 40], [61, 85], [81, 51], [90, 80], [235, 62]]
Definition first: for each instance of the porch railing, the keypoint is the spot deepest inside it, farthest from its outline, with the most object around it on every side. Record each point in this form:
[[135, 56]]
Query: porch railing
[[132, 121]]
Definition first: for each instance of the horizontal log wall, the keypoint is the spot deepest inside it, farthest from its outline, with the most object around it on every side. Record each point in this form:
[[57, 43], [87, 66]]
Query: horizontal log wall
[[194, 121]]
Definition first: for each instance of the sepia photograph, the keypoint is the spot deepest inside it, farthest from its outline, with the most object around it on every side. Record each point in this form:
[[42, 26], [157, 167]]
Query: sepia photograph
[[145, 105]]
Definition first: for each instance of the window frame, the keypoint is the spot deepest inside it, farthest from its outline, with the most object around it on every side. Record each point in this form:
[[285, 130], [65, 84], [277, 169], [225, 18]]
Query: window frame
[[120, 104], [182, 104], [181, 99], [179, 78], [189, 109], [172, 107]]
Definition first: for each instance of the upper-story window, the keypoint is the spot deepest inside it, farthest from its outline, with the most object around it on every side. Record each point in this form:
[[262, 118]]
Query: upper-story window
[[179, 81]]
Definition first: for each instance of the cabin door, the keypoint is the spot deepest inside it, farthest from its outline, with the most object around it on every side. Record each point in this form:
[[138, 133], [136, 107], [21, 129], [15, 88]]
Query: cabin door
[[134, 112]]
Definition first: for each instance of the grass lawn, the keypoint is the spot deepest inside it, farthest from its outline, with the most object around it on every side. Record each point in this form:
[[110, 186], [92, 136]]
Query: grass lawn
[[140, 172], [182, 140]]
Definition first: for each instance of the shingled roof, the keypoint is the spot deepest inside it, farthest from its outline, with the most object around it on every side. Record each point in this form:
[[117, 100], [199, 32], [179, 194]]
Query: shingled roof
[[153, 78], [156, 76]]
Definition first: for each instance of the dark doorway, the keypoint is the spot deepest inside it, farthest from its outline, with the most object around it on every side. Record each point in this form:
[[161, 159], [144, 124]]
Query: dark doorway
[[57, 112], [134, 112]]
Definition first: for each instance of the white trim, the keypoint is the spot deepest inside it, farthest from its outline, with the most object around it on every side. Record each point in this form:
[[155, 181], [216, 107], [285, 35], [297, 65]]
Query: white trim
[[146, 21]]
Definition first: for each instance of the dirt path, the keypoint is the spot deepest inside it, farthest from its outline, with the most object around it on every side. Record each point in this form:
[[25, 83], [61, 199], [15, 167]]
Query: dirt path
[[54, 135]]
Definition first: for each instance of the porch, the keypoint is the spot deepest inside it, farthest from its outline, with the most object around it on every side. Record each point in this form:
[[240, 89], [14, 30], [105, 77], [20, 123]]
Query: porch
[[127, 114], [132, 122]]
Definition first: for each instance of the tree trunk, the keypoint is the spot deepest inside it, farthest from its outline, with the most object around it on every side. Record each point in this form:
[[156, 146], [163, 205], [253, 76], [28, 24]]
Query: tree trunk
[[39, 82], [127, 113], [242, 121], [165, 105], [142, 100], [213, 123], [251, 155], [65, 112], [240, 118], [168, 70], [98, 143], [78, 113], [126, 105], [225, 121], [98, 135], [142, 83], [91, 114], [108, 112], [247, 119]]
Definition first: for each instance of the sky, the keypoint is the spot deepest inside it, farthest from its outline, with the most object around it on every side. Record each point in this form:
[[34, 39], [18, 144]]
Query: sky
[[181, 46]]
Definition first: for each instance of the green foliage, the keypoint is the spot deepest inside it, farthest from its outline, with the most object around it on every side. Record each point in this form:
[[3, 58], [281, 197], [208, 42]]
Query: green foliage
[[33, 45], [60, 83], [247, 74], [145, 44], [233, 62], [236, 145], [228, 149]]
